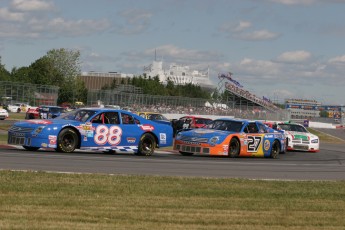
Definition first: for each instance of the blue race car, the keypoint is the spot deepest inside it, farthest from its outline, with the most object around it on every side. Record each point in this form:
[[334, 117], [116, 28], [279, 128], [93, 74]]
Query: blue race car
[[93, 129]]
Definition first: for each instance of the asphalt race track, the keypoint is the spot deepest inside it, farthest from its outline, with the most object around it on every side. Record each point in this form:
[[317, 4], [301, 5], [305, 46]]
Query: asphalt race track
[[328, 164]]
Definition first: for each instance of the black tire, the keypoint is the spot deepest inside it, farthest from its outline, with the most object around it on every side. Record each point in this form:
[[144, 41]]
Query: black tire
[[147, 145], [234, 148], [275, 149], [29, 148], [67, 141], [186, 153]]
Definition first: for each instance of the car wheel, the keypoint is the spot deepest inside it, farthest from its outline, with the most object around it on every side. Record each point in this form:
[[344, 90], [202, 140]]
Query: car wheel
[[275, 150], [234, 148], [147, 145], [186, 153], [67, 141], [29, 148], [31, 116]]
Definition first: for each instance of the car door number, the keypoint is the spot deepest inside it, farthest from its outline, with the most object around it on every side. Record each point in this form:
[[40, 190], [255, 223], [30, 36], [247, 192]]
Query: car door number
[[254, 143], [112, 135]]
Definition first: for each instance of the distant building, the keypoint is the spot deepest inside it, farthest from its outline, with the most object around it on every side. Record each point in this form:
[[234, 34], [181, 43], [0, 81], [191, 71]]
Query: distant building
[[306, 109], [302, 109], [96, 80], [179, 75]]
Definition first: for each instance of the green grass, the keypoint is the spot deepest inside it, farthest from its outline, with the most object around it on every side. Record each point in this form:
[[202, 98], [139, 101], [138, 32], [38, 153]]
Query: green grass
[[325, 138], [38, 200]]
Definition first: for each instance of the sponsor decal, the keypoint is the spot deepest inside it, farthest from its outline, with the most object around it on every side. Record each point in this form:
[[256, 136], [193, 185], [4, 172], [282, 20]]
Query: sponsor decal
[[267, 145], [131, 140], [44, 145], [204, 131], [52, 140], [299, 136], [269, 136], [147, 127], [163, 138], [39, 122]]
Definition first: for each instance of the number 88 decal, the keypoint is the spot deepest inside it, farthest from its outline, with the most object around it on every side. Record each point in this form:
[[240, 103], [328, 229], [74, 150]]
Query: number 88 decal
[[111, 135]]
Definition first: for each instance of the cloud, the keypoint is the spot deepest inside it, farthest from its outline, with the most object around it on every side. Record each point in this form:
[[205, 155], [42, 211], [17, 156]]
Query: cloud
[[259, 35], [337, 60], [134, 22], [294, 56], [31, 5], [242, 30], [294, 2], [6, 15], [22, 20]]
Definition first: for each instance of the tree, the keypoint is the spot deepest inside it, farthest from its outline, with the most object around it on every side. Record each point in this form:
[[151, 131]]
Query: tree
[[44, 72], [4, 74], [67, 65]]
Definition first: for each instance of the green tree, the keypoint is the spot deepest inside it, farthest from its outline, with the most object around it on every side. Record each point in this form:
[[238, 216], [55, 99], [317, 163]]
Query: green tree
[[67, 65], [4, 74], [21, 74]]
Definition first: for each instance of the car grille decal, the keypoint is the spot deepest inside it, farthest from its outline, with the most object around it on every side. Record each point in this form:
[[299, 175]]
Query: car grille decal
[[18, 129], [194, 139]]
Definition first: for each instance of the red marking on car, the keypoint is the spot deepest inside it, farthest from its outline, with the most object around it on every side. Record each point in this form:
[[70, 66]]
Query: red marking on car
[[147, 127], [41, 122]]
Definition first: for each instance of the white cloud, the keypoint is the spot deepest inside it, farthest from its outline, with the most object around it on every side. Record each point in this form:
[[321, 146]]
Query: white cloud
[[135, 22], [294, 56], [259, 35], [32, 5], [338, 60], [8, 16], [294, 2], [242, 26]]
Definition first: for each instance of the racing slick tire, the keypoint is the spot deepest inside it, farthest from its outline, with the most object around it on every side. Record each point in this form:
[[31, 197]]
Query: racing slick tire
[[186, 153], [29, 148], [147, 145], [234, 148], [67, 141], [275, 149]]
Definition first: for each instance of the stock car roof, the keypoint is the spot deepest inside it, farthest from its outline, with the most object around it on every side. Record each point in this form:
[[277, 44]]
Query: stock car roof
[[198, 117]]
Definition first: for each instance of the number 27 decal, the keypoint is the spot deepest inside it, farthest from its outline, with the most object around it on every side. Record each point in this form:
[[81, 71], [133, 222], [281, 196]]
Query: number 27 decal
[[254, 143]]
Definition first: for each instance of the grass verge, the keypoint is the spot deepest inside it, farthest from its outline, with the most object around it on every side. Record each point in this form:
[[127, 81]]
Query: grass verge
[[38, 200]]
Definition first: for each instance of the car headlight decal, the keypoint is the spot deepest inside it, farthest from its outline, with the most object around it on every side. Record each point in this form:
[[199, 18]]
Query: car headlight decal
[[214, 140], [39, 130], [315, 141]]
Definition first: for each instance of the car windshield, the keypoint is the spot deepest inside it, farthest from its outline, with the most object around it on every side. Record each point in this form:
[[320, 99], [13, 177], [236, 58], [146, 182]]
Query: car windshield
[[202, 121], [78, 115], [227, 125], [293, 127], [154, 116]]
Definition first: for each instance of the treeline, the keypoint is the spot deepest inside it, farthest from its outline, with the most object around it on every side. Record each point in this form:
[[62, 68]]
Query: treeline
[[61, 67], [152, 85]]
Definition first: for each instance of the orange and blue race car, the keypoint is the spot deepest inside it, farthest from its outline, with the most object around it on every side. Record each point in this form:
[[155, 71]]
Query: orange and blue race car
[[233, 138]]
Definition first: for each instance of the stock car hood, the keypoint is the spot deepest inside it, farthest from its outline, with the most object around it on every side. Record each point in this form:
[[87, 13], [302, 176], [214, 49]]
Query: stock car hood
[[45, 122], [301, 135], [205, 133]]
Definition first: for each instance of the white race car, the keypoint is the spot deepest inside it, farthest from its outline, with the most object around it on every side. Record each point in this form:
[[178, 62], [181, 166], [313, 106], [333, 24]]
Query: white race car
[[299, 138], [3, 114]]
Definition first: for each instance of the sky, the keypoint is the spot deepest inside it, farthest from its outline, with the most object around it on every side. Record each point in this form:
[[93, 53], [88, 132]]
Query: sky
[[278, 49]]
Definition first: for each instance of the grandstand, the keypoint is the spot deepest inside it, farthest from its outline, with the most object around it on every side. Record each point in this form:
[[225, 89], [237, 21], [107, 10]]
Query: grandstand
[[240, 97]]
